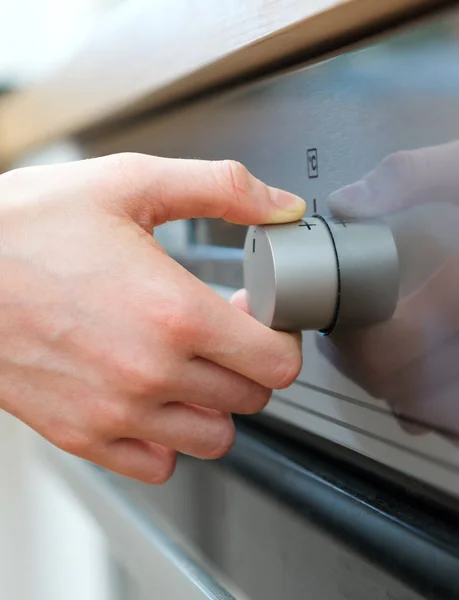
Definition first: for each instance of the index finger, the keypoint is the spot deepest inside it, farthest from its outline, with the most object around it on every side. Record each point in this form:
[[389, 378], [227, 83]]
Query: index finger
[[155, 190]]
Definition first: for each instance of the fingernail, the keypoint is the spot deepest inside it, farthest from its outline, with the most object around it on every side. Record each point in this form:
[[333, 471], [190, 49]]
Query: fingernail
[[291, 207], [350, 199]]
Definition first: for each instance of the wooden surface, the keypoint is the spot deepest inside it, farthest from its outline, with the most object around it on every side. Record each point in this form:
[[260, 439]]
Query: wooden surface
[[161, 51]]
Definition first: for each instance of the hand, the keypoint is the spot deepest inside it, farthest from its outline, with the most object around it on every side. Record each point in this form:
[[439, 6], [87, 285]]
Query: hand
[[110, 349], [412, 361]]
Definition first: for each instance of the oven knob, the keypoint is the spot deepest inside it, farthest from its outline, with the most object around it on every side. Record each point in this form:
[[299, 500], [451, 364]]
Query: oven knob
[[321, 274]]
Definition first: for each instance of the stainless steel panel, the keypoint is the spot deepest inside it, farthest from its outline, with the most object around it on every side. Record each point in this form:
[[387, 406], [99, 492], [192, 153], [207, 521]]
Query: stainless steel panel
[[265, 549], [382, 107], [155, 561], [270, 552]]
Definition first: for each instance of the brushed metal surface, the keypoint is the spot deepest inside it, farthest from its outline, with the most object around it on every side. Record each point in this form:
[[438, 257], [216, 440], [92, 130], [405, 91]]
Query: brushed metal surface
[[387, 116], [261, 545], [369, 274], [155, 560], [321, 274], [263, 548], [291, 275]]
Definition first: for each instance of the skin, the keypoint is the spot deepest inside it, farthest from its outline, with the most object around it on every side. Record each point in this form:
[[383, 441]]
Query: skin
[[110, 349]]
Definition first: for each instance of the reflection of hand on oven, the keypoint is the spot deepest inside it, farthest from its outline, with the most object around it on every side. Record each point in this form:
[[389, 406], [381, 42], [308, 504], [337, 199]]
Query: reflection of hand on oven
[[402, 180], [411, 361]]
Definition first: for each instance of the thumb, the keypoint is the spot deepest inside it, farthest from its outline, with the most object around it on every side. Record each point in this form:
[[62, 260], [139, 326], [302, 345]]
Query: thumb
[[164, 189]]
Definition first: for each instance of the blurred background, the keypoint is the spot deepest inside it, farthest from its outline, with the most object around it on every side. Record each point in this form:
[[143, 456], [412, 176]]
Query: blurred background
[[49, 547], [36, 37]]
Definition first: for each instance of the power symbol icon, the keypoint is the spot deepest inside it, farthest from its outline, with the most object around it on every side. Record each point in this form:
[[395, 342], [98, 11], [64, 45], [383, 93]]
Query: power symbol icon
[[313, 163]]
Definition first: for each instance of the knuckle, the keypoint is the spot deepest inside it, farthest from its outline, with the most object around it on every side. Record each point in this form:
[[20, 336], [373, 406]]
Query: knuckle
[[224, 434], [177, 318], [127, 172], [126, 168], [139, 380], [113, 417], [160, 382], [175, 315], [126, 162], [235, 178]]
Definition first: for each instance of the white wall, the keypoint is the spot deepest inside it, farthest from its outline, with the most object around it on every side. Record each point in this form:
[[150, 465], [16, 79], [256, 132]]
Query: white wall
[[16, 558], [36, 36], [50, 549]]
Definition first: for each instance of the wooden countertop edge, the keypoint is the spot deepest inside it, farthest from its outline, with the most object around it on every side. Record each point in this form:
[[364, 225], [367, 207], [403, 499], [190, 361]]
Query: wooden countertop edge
[[126, 78]]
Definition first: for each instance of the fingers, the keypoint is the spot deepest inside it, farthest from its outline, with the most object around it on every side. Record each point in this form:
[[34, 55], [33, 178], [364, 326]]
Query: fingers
[[189, 429], [236, 341], [209, 385], [401, 180], [197, 322], [141, 460], [233, 339], [155, 190]]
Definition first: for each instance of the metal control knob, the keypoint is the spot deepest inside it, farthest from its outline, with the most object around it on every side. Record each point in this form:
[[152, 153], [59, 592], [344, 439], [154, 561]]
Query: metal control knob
[[321, 273]]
